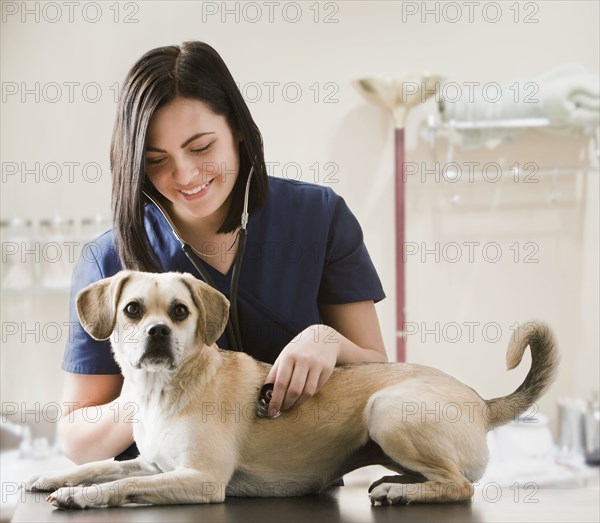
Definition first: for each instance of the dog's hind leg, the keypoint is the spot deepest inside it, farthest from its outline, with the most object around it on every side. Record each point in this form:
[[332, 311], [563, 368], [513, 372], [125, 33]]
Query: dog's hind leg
[[178, 486], [403, 490], [413, 486], [443, 453], [405, 479], [90, 473]]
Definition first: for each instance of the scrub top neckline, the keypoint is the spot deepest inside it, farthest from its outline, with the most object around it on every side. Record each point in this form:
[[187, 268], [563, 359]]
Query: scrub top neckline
[[225, 276], [213, 269], [214, 272]]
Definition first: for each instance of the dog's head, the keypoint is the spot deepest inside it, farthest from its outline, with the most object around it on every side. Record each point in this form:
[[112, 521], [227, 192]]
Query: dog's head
[[154, 321]]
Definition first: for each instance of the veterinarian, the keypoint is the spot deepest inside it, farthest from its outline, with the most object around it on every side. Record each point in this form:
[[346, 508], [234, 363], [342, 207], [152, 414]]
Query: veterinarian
[[183, 148]]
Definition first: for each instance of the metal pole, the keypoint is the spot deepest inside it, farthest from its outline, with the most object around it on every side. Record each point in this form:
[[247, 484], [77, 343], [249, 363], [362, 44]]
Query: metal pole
[[400, 262]]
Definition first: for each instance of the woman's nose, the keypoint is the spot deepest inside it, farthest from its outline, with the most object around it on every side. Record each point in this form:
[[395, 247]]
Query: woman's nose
[[185, 170]]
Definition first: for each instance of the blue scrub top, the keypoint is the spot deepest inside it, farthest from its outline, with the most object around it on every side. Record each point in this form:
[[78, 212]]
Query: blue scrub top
[[304, 248]]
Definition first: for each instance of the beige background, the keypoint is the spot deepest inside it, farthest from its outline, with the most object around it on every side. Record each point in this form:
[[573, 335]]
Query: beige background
[[554, 221]]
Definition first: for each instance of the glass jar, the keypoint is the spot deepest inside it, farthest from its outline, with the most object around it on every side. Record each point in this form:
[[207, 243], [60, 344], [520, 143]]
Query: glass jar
[[58, 251], [19, 255], [93, 227]]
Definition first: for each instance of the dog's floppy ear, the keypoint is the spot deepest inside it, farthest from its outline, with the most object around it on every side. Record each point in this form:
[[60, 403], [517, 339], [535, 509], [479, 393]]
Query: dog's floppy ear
[[97, 305], [212, 305]]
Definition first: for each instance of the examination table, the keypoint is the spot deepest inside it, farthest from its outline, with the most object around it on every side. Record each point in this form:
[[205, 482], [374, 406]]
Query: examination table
[[342, 504]]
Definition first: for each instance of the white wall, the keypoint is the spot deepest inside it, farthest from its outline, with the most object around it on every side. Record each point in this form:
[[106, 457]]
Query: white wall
[[362, 38]]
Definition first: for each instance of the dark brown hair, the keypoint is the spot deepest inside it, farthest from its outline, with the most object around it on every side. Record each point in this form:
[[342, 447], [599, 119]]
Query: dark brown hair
[[193, 70]]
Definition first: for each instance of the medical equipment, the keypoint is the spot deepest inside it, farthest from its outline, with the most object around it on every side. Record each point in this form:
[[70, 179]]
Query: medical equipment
[[233, 327], [264, 398]]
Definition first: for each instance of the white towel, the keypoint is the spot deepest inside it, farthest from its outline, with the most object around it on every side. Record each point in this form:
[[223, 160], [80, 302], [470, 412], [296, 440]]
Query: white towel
[[492, 101], [572, 100], [569, 96]]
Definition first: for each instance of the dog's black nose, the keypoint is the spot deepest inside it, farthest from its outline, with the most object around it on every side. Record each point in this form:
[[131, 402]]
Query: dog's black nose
[[158, 330]]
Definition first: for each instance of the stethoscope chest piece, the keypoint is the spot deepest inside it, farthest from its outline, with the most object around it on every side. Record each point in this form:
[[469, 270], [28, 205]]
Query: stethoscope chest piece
[[264, 398]]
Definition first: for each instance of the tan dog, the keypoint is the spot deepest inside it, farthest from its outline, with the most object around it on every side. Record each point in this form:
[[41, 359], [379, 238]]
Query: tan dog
[[200, 438]]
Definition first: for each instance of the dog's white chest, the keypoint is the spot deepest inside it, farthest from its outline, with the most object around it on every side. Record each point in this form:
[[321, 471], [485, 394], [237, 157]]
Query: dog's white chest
[[152, 441], [154, 435]]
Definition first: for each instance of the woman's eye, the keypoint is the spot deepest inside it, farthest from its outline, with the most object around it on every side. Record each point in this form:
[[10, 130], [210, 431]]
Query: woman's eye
[[155, 161], [180, 312], [133, 309], [201, 149]]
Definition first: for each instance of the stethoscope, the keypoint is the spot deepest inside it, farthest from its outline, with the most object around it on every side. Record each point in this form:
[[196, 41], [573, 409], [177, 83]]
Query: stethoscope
[[233, 326]]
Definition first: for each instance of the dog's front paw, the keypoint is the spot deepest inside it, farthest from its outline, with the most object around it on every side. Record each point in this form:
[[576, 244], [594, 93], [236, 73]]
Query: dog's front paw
[[39, 483], [389, 494], [69, 498]]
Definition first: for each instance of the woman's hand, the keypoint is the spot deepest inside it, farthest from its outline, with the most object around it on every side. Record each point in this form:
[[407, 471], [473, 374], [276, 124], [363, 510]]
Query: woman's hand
[[307, 362], [303, 367]]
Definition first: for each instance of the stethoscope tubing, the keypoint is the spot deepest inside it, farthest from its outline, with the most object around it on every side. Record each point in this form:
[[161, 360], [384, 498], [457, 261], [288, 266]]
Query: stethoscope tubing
[[232, 329], [233, 291]]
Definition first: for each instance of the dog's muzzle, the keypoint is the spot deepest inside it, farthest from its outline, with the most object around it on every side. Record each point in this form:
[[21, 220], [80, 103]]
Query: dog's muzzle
[[158, 349]]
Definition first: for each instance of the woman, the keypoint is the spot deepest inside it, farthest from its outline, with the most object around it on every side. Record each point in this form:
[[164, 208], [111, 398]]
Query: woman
[[183, 147]]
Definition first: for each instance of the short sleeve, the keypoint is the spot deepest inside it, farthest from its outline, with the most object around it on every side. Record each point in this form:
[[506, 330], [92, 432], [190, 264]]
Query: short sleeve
[[348, 274], [83, 354]]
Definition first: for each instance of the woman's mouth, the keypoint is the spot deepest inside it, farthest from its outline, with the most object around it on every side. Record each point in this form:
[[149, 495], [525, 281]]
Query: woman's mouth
[[196, 192]]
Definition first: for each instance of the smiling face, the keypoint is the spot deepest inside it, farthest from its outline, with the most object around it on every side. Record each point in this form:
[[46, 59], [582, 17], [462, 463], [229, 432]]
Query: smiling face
[[192, 159]]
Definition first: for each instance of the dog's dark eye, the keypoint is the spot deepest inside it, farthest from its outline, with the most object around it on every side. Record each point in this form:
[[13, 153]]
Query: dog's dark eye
[[180, 312], [133, 309]]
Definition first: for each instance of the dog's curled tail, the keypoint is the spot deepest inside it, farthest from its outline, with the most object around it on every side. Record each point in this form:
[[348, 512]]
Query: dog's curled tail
[[544, 364]]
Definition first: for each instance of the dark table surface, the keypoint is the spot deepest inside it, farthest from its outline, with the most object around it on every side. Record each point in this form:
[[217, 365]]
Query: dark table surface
[[342, 504]]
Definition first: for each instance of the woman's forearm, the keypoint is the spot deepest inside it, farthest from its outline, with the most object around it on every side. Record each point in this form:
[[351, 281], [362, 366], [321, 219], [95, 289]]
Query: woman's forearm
[[352, 353], [354, 328], [97, 432], [347, 350]]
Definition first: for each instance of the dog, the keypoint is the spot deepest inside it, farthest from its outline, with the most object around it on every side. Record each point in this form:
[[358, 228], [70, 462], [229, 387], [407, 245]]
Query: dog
[[199, 435]]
